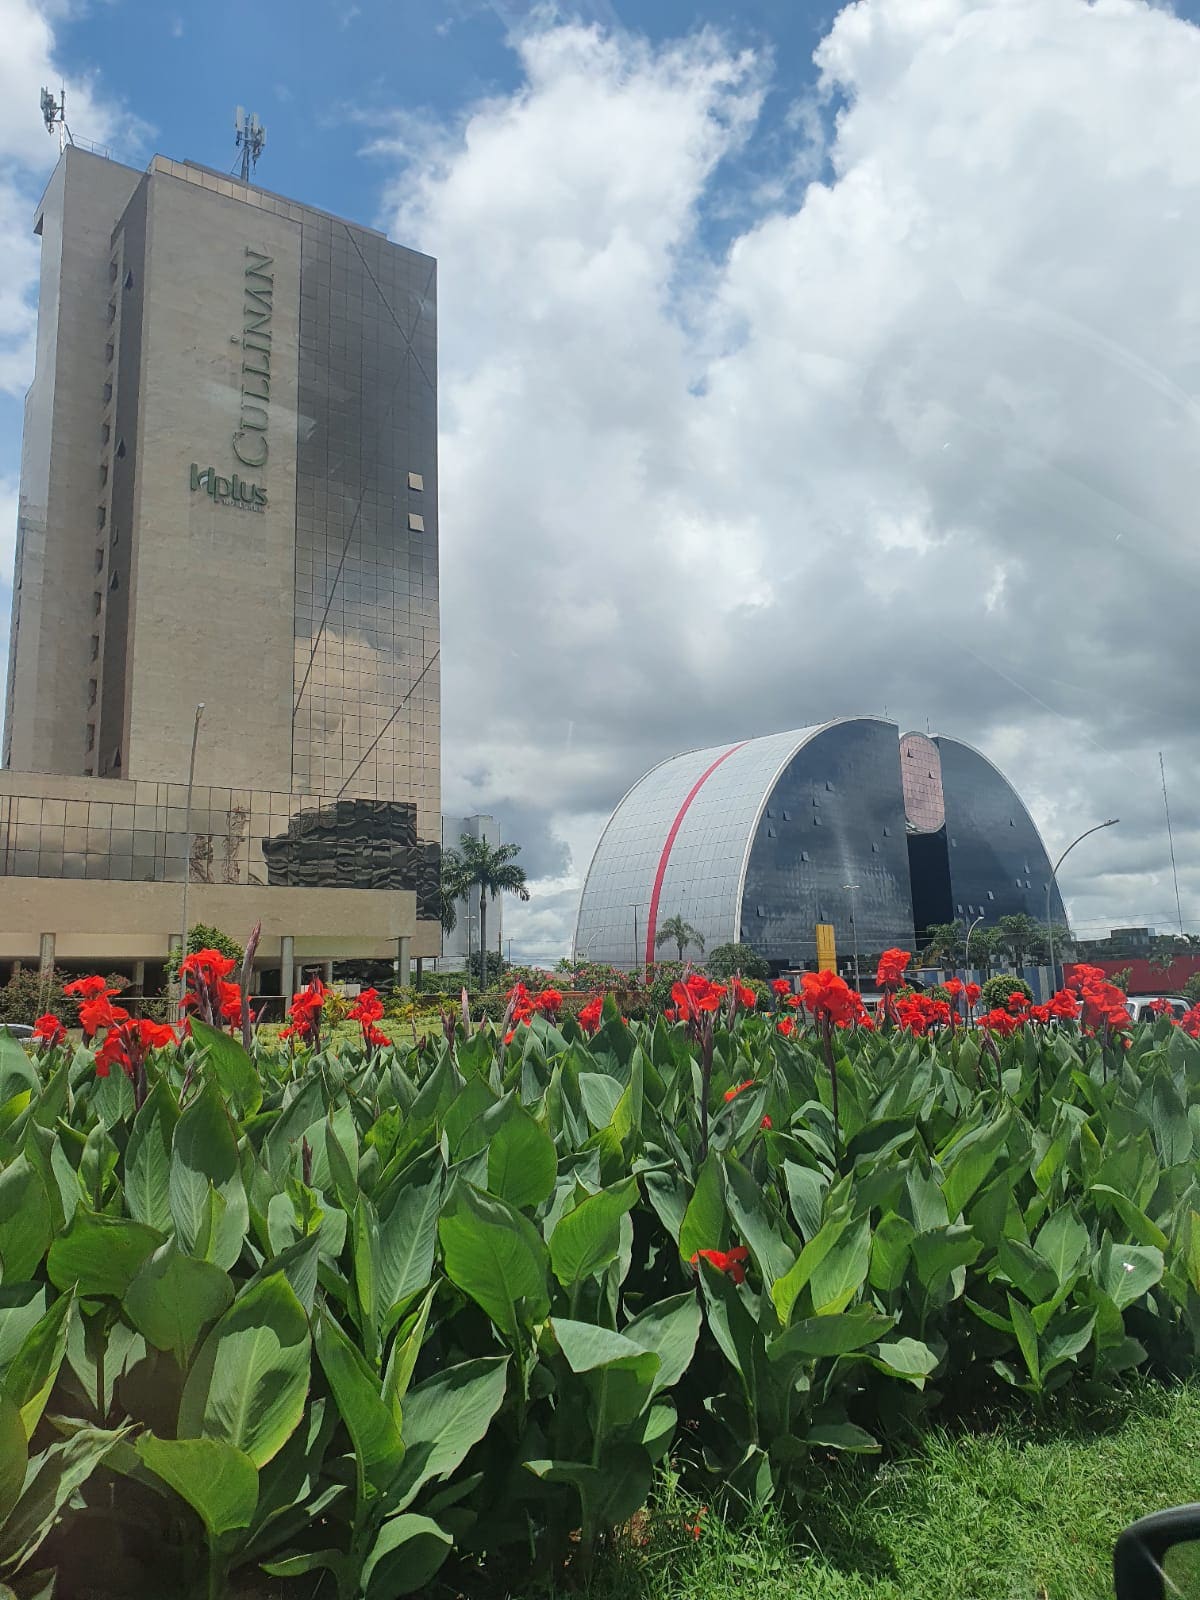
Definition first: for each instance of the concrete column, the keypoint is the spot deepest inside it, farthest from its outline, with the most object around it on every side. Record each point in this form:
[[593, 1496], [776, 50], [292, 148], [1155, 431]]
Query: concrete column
[[46, 956], [139, 976], [402, 949], [327, 972], [287, 969]]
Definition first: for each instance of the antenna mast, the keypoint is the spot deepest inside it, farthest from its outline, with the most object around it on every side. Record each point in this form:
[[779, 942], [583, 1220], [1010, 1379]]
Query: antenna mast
[[251, 136], [1171, 841], [54, 115]]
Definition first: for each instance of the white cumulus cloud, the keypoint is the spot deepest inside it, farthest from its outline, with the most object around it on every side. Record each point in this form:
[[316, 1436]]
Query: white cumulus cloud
[[927, 440]]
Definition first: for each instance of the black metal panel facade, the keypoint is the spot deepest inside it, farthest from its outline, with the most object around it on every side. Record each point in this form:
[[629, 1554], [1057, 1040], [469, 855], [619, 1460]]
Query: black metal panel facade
[[835, 817], [998, 863]]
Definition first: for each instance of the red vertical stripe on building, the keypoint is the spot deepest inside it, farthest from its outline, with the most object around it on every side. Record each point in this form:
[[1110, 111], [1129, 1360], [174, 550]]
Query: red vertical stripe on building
[[652, 919]]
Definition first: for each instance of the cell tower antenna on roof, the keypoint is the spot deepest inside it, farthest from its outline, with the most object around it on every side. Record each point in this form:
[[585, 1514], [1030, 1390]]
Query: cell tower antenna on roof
[[250, 138], [54, 115]]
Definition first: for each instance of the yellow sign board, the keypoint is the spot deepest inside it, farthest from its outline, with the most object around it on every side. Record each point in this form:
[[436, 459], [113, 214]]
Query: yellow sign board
[[826, 948]]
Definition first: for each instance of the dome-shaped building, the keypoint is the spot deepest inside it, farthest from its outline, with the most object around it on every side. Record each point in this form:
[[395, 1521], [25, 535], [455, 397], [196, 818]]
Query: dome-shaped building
[[845, 822]]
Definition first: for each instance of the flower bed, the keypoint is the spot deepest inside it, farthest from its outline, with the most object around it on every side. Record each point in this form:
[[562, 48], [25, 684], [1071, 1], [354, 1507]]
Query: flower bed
[[344, 1313]]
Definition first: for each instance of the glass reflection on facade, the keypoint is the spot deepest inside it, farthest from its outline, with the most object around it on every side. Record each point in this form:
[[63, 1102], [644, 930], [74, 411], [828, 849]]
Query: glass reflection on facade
[[238, 837], [758, 842]]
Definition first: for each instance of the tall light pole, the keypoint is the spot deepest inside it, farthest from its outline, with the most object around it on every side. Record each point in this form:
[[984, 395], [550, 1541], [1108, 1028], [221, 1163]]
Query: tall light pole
[[634, 909], [854, 933], [1053, 883], [967, 960], [187, 840]]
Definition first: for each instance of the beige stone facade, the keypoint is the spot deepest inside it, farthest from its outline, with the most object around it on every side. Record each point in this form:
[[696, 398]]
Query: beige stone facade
[[229, 497]]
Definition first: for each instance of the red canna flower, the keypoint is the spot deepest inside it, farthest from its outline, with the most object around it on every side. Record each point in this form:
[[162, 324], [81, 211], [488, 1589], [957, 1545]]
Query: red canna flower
[[590, 1014], [100, 1012], [766, 1123], [1190, 1021], [828, 996], [90, 988], [892, 966], [953, 987], [229, 1001], [732, 1094], [781, 986], [548, 1002], [48, 1030], [972, 992], [367, 1008], [375, 1037], [786, 1026], [744, 995], [999, 1021], [731, 1262], [207, 966]]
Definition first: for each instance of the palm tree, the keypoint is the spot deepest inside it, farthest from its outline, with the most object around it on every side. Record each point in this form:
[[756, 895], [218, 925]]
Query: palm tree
[[679, 933], [475, 865]]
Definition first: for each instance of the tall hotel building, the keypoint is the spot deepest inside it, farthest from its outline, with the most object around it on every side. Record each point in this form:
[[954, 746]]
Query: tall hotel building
[[229, 496]]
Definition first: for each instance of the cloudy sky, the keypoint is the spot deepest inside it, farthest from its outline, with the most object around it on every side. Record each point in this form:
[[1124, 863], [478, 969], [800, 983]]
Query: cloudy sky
[[794, 362]]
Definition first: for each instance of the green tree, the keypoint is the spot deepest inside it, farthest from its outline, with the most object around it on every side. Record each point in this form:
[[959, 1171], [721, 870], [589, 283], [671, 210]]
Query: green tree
[[475, 865], [1020, 936], [1192, 988], [679, 933], [728, 960], [944, 944]]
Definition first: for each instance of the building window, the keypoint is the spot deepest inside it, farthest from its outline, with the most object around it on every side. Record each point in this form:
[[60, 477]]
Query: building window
[[804, 856], [113, 269], [115, 581], [770, 833], [107, 392], [91, 691], [95, 646], [129, 279], [105, 433], [112, 310], [96, 601], [416, 481], [91, 735], [103, 473], [786, 815], [416, 522], [101, 516], [120, 449], [990, 895], [108, 351], [99, 558]]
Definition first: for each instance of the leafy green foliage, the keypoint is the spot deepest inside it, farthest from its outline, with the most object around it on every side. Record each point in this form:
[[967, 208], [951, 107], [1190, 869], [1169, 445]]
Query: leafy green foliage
[[997, 990], [340, 1317], [742, 960]]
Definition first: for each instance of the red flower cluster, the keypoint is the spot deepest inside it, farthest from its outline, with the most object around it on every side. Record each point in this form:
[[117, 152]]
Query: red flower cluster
[[525, 1006], [917, 1013], [305, 1012], [96, 1009], [786, 1026], [831, 999], [999, 1021], [731, 1262], [893, 964], [48, 1030], [1190, 1021], [590, 1014], [694, 996], [367, 1011], [205, 974], [127, 1044], [781, 986]]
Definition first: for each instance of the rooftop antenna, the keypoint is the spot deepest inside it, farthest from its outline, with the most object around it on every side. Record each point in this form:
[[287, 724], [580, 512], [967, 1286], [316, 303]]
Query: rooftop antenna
[[251, 136], [1171, 841], [54, 115]]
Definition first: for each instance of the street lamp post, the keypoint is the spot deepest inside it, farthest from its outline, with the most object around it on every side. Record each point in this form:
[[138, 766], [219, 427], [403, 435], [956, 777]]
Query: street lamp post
[[634, 909], [1053, 883], [967, 960], [187, 842], [854, 933]]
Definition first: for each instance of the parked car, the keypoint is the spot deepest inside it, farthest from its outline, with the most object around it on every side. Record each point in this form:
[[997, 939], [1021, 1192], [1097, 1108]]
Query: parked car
[[16, 1030], [1138, 1005]]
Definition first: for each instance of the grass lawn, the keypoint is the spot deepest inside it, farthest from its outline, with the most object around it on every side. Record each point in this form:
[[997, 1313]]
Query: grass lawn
[[1024, 1513]]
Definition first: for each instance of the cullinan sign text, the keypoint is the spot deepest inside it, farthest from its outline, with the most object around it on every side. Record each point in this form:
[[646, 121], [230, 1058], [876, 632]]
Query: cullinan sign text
[[250, 440]]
